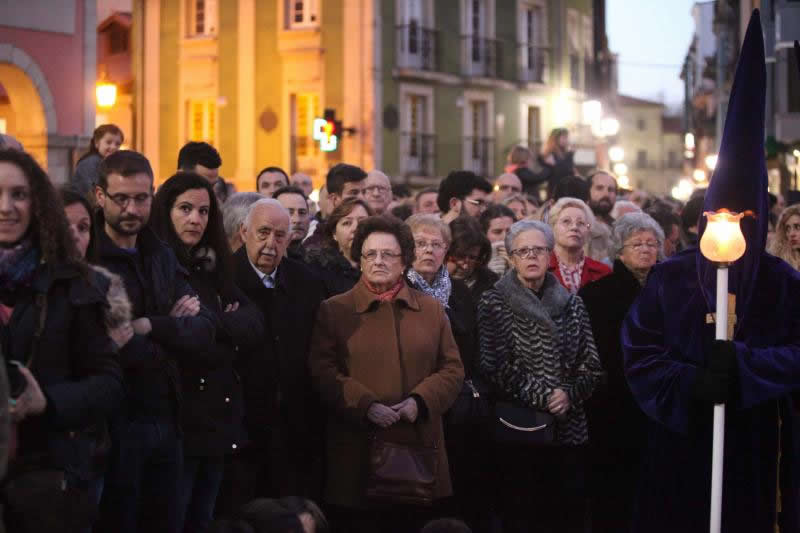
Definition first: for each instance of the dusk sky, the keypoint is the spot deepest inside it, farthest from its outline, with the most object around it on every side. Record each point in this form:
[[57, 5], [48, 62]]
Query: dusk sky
[[651, 38]]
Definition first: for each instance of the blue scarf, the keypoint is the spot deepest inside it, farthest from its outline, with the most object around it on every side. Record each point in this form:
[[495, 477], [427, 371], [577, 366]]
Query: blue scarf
[[439, 289], [18, 265]]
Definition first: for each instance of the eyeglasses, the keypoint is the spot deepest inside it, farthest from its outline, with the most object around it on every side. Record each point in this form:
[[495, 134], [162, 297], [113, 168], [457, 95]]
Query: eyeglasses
[[479, 203], [372, 255], [436, 246], [792, 227], [530, 252], [123, 200], [506, 188], [568, 222], [377, 188], [639, 245]]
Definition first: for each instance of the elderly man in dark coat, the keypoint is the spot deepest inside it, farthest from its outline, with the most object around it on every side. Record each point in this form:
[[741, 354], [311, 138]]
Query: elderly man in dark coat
[[282, 413], [677, 371]]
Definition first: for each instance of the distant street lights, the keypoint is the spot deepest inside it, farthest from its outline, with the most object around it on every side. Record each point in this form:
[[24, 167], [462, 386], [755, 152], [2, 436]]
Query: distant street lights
[[106, 93]]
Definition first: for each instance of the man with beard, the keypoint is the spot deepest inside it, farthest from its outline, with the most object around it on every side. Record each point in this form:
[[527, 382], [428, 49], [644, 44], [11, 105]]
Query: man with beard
[[282, 414], [602, 195], [146, 459]]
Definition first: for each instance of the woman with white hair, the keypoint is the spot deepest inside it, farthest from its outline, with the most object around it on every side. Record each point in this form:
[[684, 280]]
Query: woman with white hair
[[571, 220], [536, 348], [616, 424]]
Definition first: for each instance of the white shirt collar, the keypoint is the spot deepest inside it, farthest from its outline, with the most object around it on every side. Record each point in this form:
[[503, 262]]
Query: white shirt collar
[[262, 276]]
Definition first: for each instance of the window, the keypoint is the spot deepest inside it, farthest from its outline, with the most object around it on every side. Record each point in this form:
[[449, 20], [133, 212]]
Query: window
[[202, 120], [641, 124], [574, 44], [534, 128], [478, 132], [201, 18], [417, 139], [117, 40], [672, 159], [302, 14], [533, 40], [416, 38], [641, 159], [306, 110]]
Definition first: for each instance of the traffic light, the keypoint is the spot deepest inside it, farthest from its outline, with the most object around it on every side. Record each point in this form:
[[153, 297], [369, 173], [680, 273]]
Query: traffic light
[[327, 131]]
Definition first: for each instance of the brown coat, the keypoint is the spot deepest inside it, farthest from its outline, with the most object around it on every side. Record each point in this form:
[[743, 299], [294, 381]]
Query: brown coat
[[366, 351]]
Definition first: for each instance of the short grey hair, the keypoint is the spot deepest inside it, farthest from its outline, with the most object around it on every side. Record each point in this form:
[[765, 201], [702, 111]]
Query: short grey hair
[[235, 209], [265, 202], [424, 220], [626, 205], [631, 223], [565, 202], [518, 228]]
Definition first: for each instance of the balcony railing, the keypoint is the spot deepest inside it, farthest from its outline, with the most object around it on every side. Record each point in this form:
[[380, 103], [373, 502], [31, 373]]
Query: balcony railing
[[417, 47], [482, 56], [479, 155], [534, 62], [417, 152]]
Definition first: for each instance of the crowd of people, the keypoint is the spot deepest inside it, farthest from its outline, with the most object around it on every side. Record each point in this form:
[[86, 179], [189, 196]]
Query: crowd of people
[[195, 359]]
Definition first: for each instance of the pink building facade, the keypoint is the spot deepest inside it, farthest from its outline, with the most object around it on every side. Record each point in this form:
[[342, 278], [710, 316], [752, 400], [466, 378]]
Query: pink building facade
[[48, 71]]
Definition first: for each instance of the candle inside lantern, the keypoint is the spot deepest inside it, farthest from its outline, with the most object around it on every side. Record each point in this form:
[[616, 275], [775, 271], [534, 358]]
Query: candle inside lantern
[[723, 241]]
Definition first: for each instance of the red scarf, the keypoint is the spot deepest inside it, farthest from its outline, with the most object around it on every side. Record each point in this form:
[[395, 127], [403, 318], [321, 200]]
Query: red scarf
[[386, 296]]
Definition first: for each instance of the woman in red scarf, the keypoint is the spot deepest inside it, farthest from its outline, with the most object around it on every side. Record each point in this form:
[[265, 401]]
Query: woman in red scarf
[[385, 363]]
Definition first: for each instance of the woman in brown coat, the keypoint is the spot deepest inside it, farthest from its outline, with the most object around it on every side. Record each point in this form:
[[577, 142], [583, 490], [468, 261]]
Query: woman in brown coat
[[385, 363]]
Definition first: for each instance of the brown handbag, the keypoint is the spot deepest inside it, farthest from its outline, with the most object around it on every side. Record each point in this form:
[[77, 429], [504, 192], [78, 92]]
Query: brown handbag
[[401, 472]]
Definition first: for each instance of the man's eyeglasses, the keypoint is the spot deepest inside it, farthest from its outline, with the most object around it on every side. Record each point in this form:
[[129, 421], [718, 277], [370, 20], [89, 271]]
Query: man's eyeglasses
[[377, 188], [530, 252], [639, 245], [372, 255], [123, 200], [506, 188], [436, 246]]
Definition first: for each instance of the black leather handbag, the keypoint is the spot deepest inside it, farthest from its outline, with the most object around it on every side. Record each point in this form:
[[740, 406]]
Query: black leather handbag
[[471, 406], [519, 425]]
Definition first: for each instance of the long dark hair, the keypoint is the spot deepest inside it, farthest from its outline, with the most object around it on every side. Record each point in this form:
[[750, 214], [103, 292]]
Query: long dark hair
[[48, 228], [70, 196], [213, 237], [99, 131]]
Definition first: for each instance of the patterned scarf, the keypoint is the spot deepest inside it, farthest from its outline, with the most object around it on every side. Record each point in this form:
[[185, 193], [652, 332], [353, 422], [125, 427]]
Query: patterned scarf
[[18, 265], [385, 296], [572, 275], [439, 289]]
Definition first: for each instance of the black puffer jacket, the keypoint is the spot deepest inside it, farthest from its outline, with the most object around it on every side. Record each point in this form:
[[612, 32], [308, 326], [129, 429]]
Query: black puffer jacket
[[212, 411], [335, 271], [74, 364]]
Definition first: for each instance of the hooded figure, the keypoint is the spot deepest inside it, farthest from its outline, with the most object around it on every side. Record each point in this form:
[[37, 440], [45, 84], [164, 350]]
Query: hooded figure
[[677, 371]]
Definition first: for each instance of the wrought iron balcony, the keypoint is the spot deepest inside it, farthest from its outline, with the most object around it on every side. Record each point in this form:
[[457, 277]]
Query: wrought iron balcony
[[417, 153], [482, 57], [417, 47], [479, 155], [534, 62]]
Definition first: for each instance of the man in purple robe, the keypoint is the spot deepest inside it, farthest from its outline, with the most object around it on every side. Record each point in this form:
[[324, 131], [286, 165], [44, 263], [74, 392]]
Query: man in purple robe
[[677, 371]]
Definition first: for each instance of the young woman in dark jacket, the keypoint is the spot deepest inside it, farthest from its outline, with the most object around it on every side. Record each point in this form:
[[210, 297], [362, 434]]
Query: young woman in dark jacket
[[331, 260], [186, 215], [63, 374]]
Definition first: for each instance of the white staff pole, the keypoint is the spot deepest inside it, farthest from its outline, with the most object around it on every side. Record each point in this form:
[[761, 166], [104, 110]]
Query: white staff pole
[[718, 448]]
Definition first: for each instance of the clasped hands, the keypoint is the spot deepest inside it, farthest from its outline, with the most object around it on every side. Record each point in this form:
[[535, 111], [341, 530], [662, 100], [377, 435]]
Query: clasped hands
[[185, 306], [384, 415]]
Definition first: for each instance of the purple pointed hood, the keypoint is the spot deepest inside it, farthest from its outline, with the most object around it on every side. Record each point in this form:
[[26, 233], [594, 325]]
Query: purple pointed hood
[[739, 182]]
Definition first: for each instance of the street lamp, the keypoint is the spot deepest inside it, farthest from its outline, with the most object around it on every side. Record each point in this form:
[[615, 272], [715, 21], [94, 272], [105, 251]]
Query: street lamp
[[616, 154], [620, 169], [711, 161], [592, 111], [624, 182], [106, 93], [722, 243], [688, 141], [699, 174], [609, 126]]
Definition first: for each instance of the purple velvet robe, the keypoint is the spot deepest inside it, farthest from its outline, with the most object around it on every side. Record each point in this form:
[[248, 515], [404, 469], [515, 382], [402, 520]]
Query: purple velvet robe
[[665, 339]]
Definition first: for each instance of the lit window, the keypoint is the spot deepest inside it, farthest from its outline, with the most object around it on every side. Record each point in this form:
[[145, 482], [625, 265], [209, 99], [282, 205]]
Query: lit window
[[302, 14], [202, 120], [201, 18]]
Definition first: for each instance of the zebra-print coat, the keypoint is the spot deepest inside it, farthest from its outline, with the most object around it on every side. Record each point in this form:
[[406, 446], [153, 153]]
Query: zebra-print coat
[[528, 347]]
